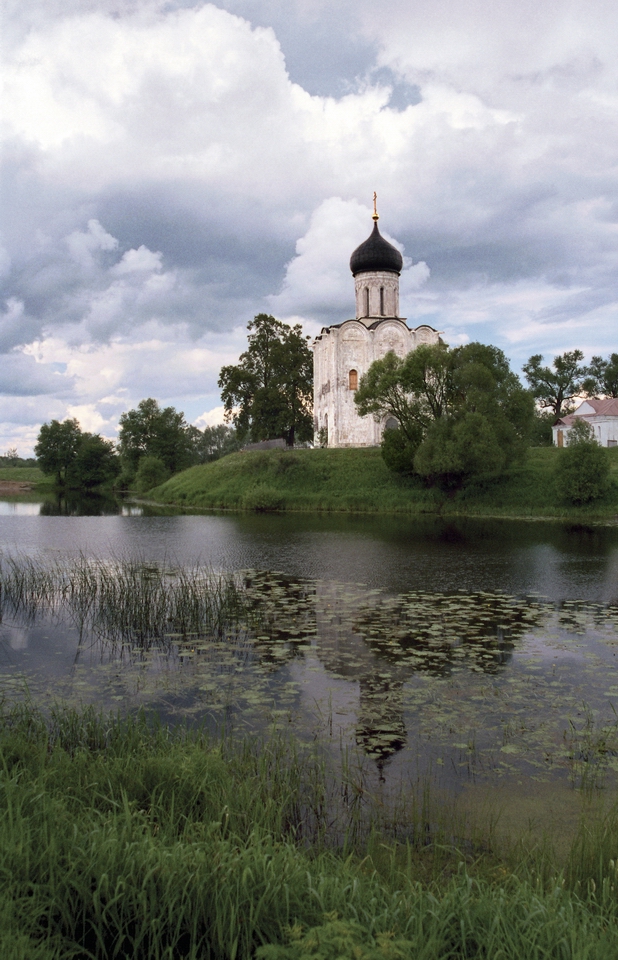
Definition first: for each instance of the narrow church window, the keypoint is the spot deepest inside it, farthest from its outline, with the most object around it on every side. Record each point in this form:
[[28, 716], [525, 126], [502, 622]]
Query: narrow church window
[[366, 301], [381, 301], [353, 379]]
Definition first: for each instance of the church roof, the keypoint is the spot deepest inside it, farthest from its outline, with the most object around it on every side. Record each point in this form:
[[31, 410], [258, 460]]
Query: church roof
[[607, 407], [376, 253]]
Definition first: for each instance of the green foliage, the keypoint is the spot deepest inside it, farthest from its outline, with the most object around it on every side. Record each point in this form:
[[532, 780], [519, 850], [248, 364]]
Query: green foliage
[[339, 940], [269, 394], [56, 447], [214, 442], [263, 499], [602, 376], [583, 468], [457, 450], [150, 431], [74, 458], [151, 472], [124, 839], [398, 450], [95, 463], [463, 415], [555, 388], [541, 432]]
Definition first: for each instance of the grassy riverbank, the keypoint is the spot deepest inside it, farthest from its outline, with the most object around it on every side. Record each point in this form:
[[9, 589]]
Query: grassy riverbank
[[24, 475], [359, 481], [118, 839]]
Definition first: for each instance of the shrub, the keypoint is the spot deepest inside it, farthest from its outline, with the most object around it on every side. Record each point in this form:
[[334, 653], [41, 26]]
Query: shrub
[[582, 471], [263, 499], [398, 451], [151, 472]]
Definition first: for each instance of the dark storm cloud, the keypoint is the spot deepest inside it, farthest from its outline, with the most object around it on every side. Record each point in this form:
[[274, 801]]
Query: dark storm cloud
[[194, 169]]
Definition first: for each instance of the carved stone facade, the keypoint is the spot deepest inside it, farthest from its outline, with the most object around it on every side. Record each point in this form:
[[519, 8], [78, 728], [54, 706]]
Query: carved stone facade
[[344, 352]]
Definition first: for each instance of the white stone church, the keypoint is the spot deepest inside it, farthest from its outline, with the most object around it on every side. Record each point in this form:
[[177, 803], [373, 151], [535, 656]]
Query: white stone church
[[345, 351]]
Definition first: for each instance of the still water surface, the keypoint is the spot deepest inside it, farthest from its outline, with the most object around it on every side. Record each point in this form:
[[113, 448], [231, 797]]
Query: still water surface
[[478, 649]]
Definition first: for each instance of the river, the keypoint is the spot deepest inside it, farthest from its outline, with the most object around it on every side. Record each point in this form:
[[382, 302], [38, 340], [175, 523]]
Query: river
[[482, 650]]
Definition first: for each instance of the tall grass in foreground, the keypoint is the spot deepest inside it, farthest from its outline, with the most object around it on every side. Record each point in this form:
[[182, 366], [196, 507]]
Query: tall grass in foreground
[[123, 840], [123, 601]]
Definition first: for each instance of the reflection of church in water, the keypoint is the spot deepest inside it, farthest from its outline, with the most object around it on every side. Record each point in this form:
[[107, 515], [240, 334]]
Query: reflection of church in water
[[344, 351]]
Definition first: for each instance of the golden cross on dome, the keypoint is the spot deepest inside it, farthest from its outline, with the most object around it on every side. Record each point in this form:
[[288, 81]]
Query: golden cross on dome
[[375, 216]]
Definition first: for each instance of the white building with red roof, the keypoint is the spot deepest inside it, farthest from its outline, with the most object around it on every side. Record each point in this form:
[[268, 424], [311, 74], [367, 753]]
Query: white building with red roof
[[602, 415]]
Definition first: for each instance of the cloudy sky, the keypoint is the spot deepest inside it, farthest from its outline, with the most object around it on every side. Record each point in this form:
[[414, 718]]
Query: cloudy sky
[[170, 169]]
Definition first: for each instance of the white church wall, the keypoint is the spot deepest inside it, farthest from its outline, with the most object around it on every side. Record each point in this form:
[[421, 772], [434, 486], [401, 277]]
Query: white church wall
[[352, 348]]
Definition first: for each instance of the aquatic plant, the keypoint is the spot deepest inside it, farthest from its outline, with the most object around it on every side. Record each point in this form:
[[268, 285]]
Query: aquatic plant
[[122, 838], [124, 601]]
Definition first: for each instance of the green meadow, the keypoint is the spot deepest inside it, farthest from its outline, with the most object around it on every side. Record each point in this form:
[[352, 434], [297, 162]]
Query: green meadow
[[358, 480], [23, 475]]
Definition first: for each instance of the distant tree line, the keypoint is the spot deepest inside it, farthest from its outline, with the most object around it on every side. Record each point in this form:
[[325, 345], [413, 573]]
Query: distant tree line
[[267, 395], [463, 416], [153, 443]]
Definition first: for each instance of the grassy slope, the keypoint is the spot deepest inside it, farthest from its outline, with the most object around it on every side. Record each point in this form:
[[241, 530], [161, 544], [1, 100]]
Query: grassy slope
[[358, 480]]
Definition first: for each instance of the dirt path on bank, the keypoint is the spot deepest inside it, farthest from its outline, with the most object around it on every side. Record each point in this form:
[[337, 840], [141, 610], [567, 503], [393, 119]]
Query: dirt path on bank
[[11, 487]]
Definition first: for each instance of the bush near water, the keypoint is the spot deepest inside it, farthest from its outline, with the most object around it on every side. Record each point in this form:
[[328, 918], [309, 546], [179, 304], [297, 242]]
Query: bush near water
[[358, 480]]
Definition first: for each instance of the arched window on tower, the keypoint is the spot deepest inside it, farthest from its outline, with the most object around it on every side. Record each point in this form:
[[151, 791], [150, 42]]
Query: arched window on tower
[[381, 301], [366, 301], [353, 380]]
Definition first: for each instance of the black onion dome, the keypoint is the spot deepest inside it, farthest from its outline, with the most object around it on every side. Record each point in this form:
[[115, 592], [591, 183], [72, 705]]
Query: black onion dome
[[376, 253]]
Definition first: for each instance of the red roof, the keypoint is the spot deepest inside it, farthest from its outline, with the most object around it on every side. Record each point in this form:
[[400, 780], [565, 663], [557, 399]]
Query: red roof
[[608, 407]]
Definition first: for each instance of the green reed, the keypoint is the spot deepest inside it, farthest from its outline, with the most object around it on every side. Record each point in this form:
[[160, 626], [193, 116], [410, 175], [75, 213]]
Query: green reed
[[120, 838], [123, 601]]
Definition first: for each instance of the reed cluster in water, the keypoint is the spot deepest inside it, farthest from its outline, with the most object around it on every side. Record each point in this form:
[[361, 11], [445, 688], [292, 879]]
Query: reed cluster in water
[[122, 600], [121, 839]]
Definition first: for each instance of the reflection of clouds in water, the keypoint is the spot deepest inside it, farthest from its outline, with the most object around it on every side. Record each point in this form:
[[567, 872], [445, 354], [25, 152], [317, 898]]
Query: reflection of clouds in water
[[16, 637], [10, 509]]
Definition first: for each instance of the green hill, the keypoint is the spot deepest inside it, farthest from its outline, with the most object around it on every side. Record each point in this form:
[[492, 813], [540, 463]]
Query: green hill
[[359, 481]]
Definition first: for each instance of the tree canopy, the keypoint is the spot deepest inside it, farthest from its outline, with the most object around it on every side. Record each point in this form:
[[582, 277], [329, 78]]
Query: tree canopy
[[556, 387], [56, 447], [269, 393], [74, 457], [602, 376], [152, 431], [462, 413]]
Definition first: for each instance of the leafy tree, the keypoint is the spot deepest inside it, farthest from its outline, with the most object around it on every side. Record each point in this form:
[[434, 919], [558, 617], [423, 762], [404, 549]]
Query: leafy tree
[[269, 393], [556, 388], [56, 447], [12, 456], [416, 389], [602, 376], [149, 431], [462, 413], [214, 442], [96, 461], [582, 470], [541, 434], [150, 473]]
